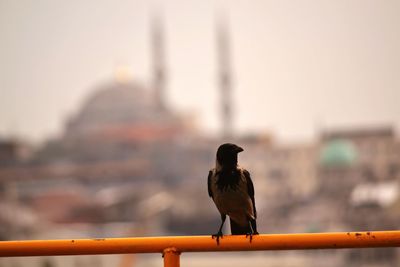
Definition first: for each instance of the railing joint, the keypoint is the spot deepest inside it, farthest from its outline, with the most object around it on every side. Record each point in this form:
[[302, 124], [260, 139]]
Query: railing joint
[[171, 250], [171, 257]]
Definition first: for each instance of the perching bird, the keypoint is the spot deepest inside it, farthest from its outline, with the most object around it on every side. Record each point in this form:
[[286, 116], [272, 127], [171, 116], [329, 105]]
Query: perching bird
[[232, 191]]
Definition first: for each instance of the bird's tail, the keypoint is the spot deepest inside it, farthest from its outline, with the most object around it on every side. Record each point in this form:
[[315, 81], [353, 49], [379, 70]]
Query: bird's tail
[[237, 229]]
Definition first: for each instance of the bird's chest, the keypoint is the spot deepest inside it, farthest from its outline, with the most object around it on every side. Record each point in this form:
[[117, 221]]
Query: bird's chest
[[229, 198]]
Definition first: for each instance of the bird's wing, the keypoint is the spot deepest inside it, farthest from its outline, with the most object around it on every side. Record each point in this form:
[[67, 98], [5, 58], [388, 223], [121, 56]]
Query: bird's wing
[[209, 184], [250, 190]]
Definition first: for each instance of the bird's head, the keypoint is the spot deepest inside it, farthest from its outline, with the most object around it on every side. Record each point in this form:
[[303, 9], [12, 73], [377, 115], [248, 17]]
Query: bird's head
[[227, 154]]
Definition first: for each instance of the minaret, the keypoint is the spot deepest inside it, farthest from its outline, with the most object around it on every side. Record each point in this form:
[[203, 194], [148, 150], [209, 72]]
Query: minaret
[[159, 76], [225, 79]]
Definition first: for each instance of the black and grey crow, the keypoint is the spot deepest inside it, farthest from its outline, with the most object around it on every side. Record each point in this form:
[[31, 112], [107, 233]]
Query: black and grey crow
[[232, 191]]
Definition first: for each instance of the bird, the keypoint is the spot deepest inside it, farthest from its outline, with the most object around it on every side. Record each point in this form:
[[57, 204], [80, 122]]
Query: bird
[[232, 190]]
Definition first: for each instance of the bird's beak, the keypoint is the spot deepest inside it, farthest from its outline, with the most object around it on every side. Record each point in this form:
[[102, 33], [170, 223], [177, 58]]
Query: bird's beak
[[239, 149]]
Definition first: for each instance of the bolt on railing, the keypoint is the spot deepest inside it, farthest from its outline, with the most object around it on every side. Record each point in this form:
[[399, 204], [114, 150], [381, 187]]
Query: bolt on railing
[[172, 246]]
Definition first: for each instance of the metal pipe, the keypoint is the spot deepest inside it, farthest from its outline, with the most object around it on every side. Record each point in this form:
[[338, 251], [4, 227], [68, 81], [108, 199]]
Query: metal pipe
[[171, 257], [199, 243]]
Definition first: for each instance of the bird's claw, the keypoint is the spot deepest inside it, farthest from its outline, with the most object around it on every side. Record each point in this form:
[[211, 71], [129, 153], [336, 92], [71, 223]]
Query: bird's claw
[[217, 236], [251, 235]]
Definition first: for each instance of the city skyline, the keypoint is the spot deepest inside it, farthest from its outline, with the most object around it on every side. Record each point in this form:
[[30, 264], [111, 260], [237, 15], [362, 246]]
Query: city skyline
[[295, 68]]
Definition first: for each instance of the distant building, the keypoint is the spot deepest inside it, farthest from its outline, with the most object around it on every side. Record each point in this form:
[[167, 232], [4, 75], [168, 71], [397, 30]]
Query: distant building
[[350, 157], [123, 111], [359, 177], [116, 122], [13, 152]]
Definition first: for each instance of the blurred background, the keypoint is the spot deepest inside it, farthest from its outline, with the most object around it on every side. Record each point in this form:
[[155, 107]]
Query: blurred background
[[111, 114]]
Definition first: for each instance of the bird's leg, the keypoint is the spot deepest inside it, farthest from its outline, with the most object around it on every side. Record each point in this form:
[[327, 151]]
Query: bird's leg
[[253, 229], [254, 226], [219, 234]]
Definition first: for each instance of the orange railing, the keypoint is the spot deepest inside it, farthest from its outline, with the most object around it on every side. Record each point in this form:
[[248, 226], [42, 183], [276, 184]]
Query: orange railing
[[172, 246]]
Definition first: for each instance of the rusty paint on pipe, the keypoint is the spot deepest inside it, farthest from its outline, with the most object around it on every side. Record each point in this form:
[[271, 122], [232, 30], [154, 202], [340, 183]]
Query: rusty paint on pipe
[[200, 243], [171, 257]]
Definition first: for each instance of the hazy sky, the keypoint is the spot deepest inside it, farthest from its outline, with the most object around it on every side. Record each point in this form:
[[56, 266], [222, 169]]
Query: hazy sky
[[297, 64]]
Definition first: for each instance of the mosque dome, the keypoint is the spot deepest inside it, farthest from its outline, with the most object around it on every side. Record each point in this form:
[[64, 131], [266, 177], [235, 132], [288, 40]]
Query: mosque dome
[[120, 105], [338, 153]]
